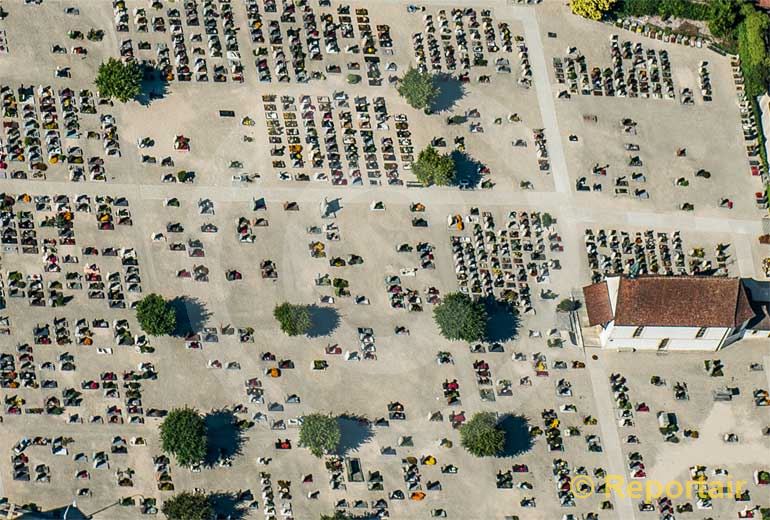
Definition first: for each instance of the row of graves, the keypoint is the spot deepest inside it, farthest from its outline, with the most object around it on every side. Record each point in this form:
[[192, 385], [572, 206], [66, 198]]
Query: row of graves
[[750, 131], [612, 252], [176, 29], [27, 225], [356, 144], [635, 72], [563, 429], [454, 42], [33, 131], [674, 430], [18, 212], [288, 38], [502, 262]]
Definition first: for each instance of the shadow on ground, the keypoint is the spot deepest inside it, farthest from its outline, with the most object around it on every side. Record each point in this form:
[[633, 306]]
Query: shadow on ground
[[468, 169], [354, 432], [517, 438], [325, 320], [504, 321], [191, 315], [228, 505], [154, 86], [451, 90], [225, 439]]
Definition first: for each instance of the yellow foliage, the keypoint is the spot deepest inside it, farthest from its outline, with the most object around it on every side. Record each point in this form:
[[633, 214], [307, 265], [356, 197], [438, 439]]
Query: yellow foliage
[[591, 9]]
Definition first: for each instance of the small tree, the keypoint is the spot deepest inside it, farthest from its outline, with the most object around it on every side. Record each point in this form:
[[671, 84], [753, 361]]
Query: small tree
[[432, 167], [591, 9], [459, 317], [183, 434], [547, 219], [568, 305], [155, 315], [481, 436], [122, 81], [188, 506], [418, 88], [294, 319], [319, 433]]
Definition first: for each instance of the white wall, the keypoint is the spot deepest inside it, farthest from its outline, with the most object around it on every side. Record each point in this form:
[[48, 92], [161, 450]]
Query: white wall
[[679, 338]]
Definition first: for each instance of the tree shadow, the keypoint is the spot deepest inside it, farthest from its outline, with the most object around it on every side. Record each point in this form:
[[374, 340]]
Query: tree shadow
[[224, 437], [450, 91], [154, 86], [324, 321], [503, 320], [354, 432], [517, 438], [227, 504], [191, 315], [467, 169]]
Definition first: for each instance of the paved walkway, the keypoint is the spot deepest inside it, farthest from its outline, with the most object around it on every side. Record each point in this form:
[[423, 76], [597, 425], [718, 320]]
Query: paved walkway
[[545, 99], [610, 437]]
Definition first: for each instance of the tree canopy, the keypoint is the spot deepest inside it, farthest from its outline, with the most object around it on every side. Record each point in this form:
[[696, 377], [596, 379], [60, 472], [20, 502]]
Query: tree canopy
[[752, 48], [188, 506], [155, 315], [459, 317], [183, 434], [418, 88], [723, 17], [568, 305], [337, 515], [481, 435], [122, 81], [432, 167], [320, 433], [591, 9], [294, 319]]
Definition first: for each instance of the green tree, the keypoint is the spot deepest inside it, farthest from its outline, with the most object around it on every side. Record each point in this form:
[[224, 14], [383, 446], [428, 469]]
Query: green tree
[[183, 434], [320, 433], [188, 506], [459, 317], [155, 315], [294, 319], [591, 9], [432, 167], [568, 305], [418, 88], [723, 17], [122, 81], [337, 515], [481, 436], [752, 48]]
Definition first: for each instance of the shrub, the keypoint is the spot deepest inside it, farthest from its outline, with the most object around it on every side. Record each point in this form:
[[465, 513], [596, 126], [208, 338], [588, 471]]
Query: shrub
[[591, 9], [568, 305]]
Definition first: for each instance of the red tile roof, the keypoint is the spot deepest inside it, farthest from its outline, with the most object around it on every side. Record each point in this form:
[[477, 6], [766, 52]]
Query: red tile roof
[[682, 301], [598, 307]]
